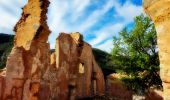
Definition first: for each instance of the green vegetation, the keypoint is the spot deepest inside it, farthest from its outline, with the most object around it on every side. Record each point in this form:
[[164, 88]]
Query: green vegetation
[[6, 44], [135, 53], [103, 59]]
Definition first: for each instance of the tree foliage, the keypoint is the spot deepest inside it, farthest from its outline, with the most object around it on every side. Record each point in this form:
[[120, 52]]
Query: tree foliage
[[135, 52], [6, 44], [103, 58]]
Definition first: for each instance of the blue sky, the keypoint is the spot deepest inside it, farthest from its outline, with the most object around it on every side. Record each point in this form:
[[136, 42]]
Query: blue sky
[[97, 20]]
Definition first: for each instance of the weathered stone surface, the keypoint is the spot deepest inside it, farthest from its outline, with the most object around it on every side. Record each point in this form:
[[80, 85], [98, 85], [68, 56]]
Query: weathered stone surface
[[29, 57], [75, 72], [32, 25], [117, 88], [71, 73], [159, 11]]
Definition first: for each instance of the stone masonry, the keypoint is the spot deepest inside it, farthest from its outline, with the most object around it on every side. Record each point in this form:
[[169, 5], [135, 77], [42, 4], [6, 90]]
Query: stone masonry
[[159, 11], [75, 70], [71, 72]]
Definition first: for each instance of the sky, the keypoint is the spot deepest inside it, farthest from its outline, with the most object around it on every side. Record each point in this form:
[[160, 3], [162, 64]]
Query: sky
[[97, 20]]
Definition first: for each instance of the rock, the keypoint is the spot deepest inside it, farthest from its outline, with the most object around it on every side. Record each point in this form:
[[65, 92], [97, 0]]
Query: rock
[[75, 71], [117, 88], [159, 11]]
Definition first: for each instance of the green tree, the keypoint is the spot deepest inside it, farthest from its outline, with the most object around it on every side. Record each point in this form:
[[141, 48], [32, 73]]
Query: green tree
[[6, 44], [103, 58], [135, 52]]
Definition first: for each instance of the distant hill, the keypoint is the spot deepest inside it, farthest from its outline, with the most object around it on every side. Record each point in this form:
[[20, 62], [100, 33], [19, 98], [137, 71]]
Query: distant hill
[[6, 44], [103, 59], [4, 38]]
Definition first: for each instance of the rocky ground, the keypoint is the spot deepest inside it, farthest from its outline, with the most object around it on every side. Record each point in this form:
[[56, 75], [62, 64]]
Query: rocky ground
[[135, 97]]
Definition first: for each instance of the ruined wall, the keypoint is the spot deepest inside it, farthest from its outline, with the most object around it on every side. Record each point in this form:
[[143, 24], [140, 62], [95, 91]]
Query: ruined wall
[[30, 74], [159, 11], [29, 57], [76, 73]]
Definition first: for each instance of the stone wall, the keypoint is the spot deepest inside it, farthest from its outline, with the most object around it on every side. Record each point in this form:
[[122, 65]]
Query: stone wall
[[76, 73], [159, 11], [33, 74], [29, 57]]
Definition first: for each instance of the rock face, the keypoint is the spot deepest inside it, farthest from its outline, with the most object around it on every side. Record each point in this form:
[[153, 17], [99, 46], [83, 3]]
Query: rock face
[[117, 88], [29, 57], [74, 70], [159, 11]]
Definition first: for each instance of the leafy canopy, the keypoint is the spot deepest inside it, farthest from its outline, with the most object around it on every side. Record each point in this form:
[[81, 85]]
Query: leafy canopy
[[135, 52]]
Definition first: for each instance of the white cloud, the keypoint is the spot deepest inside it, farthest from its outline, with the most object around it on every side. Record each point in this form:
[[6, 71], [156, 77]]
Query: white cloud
[[64, 16], [106, 46], [78, 8], [10, 13], [105, 33], [128, 11], [96, 16], [80, 5], [57, 22]]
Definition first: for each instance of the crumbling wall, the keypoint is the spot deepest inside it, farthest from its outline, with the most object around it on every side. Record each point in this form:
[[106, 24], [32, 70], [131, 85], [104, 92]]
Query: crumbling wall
[[29, 57], [77, 74], [30, 74], [159, 11]]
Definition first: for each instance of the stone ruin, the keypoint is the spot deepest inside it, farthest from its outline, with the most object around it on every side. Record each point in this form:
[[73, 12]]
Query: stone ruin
[[74, 62], [159, 11], [32, 73], [71, 72]]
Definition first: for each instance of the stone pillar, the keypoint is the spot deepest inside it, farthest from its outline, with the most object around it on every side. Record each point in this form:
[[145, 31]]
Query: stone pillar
[[159, 11], [29, 57]]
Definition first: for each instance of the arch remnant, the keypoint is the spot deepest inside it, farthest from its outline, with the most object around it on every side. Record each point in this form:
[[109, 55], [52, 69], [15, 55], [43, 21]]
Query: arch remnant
[[159, 11]]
